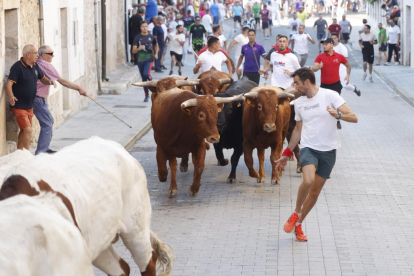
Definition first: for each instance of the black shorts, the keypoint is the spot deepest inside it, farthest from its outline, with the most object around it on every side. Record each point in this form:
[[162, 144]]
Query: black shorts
[[345, 36], [383, 47], [237, 19], [197, 47], [265, 25], [323, 161], [257, 20], [270, 22], [368, 57], [177, 56], [337, 86]]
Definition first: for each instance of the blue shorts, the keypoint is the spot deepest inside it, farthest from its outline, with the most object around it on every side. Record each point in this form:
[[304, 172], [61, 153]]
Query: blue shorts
[[216, 19], [321, 36], [383, 47]]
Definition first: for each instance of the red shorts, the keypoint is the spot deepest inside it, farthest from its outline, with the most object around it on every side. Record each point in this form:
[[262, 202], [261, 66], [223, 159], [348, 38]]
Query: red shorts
[[23, 116]]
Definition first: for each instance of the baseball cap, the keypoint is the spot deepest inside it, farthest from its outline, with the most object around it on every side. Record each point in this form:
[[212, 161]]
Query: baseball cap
[[328, 40]]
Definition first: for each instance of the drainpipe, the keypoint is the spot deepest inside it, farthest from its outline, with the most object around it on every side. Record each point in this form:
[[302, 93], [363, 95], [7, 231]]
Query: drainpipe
[[126, 31], [103, 26], [97, 45], [41, 23]]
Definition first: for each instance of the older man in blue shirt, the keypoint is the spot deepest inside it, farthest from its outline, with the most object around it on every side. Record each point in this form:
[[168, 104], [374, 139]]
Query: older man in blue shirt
[[151, 9], [251, 53]]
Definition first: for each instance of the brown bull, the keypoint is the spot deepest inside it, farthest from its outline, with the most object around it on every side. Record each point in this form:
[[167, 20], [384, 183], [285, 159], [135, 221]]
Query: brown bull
[[168, 83], [213, 81], [266, 117], [181, 121]]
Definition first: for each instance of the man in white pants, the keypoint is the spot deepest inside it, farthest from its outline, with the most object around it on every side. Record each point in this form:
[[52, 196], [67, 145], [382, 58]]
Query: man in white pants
[[341, 49]]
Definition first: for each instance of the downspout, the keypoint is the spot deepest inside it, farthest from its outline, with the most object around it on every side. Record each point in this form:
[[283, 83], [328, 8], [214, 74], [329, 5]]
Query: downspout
[[103, 25], [97, 45], [41, 23], [126, 31]]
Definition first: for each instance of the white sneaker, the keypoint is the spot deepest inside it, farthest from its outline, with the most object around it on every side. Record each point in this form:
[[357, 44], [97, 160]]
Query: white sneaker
[[371, 80], [397, 63], [387, 63], [364, 76]]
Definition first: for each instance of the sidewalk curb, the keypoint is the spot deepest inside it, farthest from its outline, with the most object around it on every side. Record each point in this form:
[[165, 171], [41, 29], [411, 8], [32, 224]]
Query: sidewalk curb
[[128, 142], [120, 80], [403, 95]]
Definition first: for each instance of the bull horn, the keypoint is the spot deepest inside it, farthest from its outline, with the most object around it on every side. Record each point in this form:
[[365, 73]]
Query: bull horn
[[252, 95], [185, 82], [145, 83], [220, 100], [188, 103], [282, 95], [292, 102], [225, 81]]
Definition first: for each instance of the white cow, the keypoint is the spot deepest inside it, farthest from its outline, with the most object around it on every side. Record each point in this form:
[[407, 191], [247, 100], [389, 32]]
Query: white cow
[[12, 159], [107, 189], [38, 238]]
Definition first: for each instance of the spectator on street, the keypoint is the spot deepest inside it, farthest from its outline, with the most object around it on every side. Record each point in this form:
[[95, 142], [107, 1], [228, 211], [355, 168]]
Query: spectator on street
[[364, 22], [301, 45], [274, 8], [256, 10], [321, 26], [212, 57], [177, 41], [302, 15], [189, 20], [21, 88], [382, 40], [249, 21], [146, 46], [196, 34], [207, 21], [334, 28], [238, 13], [265, 21], [214, 9], [251, 54], [367, 41], [196, 6], [41, 108], [294, 25], [222, 11], [346, 29], [158, 33], [395, 14], [152, 24], [134, 29], [394, 38], [218, 32], [151, 9]]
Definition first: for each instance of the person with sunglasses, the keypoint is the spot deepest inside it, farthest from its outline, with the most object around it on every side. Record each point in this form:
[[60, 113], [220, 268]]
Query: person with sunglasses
[[41, 108]]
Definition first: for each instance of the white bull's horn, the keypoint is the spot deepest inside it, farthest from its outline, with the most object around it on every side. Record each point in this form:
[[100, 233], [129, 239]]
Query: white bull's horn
[[185, 82], [282, 95], [220, 100], [146, 83], [188, 103], [225, 81], [251, 95], [292, 102]]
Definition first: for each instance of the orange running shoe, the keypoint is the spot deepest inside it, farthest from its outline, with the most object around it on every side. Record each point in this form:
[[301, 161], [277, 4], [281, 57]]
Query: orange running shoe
[[291, 222], [299, 234]]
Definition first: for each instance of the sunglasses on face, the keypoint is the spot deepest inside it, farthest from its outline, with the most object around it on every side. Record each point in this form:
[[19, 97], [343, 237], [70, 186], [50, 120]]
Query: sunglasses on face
[[50, 54]]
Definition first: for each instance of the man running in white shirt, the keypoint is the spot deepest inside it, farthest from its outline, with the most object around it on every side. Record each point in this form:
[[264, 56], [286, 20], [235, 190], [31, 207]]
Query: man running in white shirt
[[341, 49], [284, 63], [240, 40], [212, 57], [301, 44]]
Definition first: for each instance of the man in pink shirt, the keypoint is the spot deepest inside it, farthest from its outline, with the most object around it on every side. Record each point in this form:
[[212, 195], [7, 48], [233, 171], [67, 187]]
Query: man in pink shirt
[[41, 108]]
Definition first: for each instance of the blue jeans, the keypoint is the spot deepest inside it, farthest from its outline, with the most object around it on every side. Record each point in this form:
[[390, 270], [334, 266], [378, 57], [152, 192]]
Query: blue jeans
[[42, 112], [216, 19], [158, 61], [144, 68]]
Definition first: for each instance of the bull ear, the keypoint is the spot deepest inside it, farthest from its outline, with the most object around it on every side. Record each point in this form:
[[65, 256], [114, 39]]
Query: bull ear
[[187, 110], [249, 101], [220, 107]]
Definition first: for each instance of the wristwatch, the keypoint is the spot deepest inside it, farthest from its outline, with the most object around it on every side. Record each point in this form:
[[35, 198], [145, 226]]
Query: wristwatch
[[339, 116]]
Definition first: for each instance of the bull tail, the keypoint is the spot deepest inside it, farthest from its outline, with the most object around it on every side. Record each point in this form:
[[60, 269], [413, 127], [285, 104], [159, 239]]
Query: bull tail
[[165, 255]]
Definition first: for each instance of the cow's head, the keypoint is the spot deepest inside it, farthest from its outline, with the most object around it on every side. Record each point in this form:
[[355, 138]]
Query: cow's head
[[230, 110], [265, 100], [167, 83], [204, 112], [213, 85]]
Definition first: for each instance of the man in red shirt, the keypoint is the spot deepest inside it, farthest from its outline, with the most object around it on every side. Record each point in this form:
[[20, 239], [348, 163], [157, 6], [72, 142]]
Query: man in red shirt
[[329, 62], [335, 28], [265, 21]]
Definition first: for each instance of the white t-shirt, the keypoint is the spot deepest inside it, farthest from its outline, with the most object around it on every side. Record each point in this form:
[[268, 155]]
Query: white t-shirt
[[174, 44], [164, 28], [191, 9], [150, 27], [301, 43], [319, 130], [173, 26], [392, 33], [222, 38], [209, 60], [222, 10], [241, 40], [281, 63], [294, 25], [341, 49], [207, 22]]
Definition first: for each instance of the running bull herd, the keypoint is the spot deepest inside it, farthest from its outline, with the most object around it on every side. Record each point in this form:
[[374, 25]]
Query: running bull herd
[[62, 213]]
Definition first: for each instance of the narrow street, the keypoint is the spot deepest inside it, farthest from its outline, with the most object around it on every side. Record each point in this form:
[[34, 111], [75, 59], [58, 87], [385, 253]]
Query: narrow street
[[361, 224]]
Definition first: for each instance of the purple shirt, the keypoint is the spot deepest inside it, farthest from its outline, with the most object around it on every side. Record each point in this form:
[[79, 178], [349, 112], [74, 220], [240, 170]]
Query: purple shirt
[[50, 72], [252, 59]]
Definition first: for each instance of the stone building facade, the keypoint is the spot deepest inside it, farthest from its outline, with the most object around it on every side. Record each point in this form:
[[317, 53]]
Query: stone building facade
[[68, 27]]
